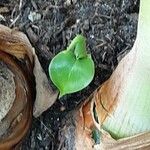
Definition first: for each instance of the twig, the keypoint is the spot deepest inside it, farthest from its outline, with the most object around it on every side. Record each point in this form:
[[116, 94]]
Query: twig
[[60, 145], [45, 127], [20, 5], [14, 21]]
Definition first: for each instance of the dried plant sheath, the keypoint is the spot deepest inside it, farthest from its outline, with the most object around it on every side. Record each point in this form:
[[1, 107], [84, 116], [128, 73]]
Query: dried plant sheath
[[45, 96], [15, 43], [15, 124], [18, 55]]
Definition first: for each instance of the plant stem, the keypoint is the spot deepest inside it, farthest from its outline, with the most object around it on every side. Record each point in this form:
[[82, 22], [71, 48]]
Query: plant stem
[[126, 95], [143, 34]]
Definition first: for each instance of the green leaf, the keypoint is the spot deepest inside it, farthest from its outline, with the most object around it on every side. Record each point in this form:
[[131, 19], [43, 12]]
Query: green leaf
[[69, 71]]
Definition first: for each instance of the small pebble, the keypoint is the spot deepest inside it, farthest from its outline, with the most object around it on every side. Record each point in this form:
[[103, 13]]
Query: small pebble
[[86, 25], [33, 16]]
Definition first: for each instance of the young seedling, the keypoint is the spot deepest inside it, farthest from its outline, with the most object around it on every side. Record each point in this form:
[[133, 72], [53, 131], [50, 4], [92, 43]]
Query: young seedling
[[72, 69]]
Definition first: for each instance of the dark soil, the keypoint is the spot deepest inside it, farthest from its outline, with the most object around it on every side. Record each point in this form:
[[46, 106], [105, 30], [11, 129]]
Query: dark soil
[[109, 26]]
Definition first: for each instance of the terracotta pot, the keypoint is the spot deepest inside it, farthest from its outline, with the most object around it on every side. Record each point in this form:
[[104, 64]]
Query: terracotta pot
[[15, 54]]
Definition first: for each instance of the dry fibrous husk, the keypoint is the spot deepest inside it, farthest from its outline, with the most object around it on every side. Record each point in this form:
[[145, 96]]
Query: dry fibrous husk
[[17, 44], [12, 129], [18, 55]]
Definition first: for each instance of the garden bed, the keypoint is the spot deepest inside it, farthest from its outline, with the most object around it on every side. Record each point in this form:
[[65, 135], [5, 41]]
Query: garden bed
[[110, 28]]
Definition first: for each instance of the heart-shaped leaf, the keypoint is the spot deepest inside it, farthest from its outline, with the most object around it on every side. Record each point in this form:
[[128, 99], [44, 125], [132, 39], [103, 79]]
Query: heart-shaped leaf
[[73, 69]]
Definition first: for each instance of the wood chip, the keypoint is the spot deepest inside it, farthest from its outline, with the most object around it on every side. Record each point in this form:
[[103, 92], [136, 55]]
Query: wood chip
[[4, 10]]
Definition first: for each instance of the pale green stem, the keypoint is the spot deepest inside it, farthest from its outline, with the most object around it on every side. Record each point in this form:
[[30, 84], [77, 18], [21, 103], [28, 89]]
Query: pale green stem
[[143, 34], [132, 113]]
